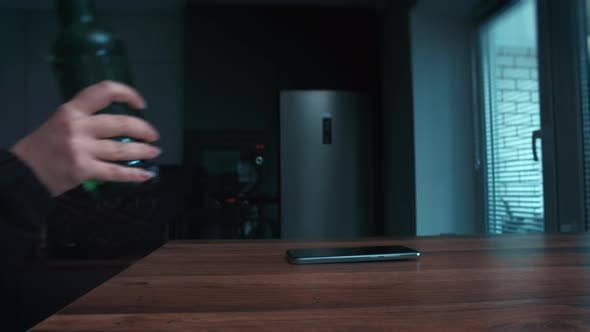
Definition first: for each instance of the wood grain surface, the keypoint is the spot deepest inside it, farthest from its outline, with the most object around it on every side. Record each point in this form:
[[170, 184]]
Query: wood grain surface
[[494, 283]]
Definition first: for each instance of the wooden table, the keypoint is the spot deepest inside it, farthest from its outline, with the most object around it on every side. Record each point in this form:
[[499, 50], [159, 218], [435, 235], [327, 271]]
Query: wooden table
[[499, 283]]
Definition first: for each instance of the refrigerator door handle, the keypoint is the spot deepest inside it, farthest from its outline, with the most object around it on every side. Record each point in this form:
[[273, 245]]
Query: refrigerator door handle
[[327, 129]]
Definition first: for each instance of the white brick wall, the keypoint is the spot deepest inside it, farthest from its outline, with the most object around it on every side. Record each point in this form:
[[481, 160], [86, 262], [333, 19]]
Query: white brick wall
[[505, 84], [513, 51], [505, 61], [528, 109], [530, 85], [516, 96], [518, 73], [529, 62], [504, 107]]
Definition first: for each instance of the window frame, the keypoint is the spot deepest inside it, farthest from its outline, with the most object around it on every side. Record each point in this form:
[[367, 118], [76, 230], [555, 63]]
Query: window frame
[[560, 55], [559, 31]]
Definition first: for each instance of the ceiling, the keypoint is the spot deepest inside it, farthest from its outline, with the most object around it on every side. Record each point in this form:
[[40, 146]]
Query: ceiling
[[343, 3], [101, 4], [156, 5]]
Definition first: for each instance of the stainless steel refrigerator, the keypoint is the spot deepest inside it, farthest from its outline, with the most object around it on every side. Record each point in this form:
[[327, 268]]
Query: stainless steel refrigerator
[[326, 165]]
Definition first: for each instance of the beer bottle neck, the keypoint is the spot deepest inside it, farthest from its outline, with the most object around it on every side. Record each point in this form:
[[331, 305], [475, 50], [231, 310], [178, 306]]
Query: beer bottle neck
[[75, 11]]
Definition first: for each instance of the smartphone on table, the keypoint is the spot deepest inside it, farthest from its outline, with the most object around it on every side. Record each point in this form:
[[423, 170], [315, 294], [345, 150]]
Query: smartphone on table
[[351, 254]]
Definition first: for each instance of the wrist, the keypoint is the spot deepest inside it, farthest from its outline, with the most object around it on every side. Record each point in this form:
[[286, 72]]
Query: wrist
[[21, 153]]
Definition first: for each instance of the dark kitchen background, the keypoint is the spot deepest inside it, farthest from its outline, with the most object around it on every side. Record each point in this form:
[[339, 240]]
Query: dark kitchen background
[[216, 75]]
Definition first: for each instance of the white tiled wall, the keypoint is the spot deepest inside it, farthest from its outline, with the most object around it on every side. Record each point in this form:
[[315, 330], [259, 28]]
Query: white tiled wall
[[28, 92]]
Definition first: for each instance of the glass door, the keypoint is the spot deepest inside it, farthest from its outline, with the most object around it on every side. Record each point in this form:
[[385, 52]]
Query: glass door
[[511, 158]]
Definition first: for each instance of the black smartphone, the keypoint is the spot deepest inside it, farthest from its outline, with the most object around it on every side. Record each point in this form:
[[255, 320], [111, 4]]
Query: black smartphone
[[351, 254]]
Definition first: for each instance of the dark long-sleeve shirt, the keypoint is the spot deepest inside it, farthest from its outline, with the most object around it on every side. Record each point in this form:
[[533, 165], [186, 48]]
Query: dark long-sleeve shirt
[[25, 203]]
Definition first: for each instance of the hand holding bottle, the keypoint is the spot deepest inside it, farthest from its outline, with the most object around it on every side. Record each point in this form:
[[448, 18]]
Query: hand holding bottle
[[74, 146]]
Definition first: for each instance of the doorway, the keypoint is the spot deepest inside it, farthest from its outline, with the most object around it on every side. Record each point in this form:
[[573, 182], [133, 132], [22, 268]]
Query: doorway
[[511, 158]]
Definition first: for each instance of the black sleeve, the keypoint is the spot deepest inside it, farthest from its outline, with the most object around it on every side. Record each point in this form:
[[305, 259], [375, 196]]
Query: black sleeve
[[25, 203]]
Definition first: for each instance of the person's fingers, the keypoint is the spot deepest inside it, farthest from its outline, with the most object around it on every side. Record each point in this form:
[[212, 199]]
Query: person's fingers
[[110, 172], [109, 150], [108, 125], [98, 96]]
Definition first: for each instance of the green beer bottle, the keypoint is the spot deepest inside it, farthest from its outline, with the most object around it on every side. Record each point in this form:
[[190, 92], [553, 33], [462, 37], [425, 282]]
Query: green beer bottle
[[85, 53]]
